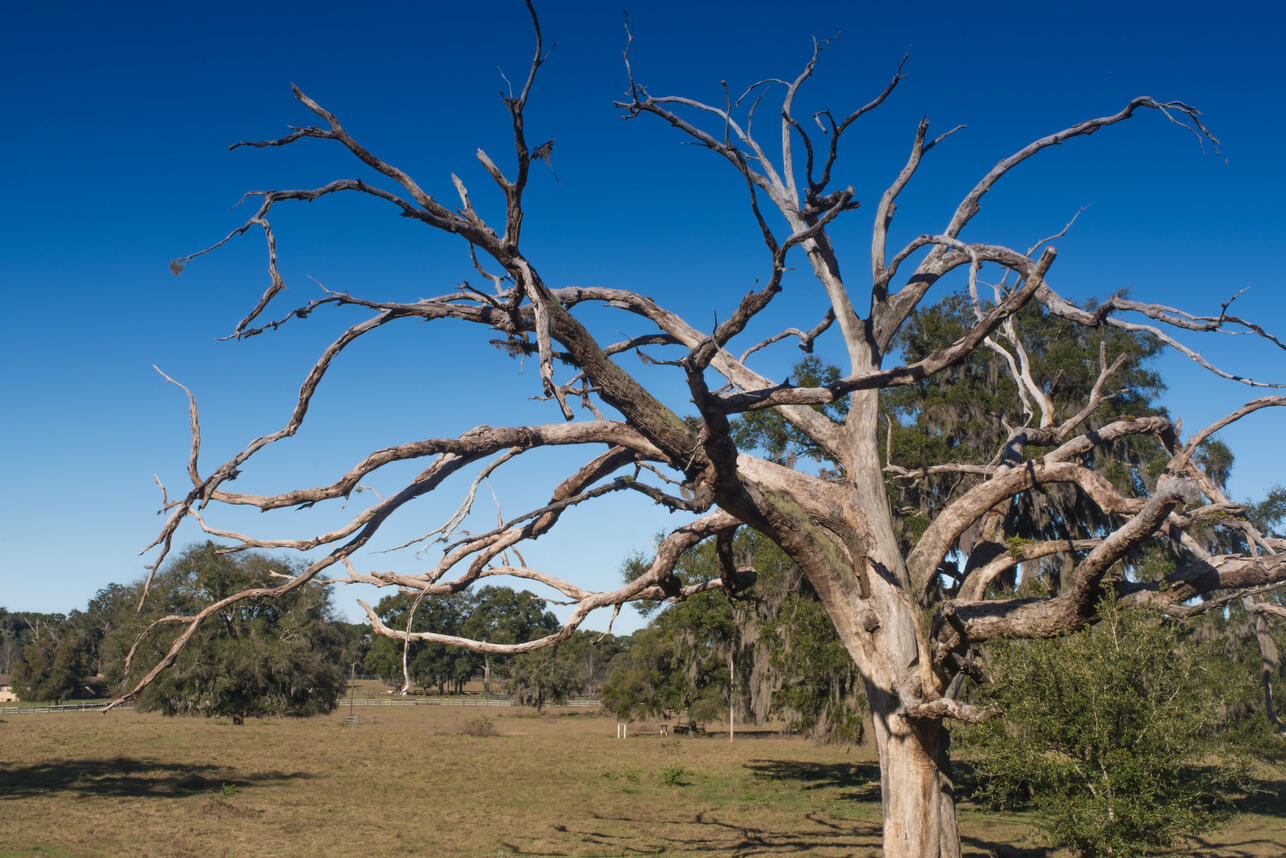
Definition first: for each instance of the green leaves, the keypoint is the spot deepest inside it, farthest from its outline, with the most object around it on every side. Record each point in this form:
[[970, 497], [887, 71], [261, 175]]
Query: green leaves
[[787, 659], [53, 666], [257, 657], [779, 441], [1112, 734], [964, 415], [494, 614]]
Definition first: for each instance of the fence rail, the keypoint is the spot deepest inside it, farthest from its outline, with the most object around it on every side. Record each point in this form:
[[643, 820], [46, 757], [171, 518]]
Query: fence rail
[[65, 707], [449, 701], [356, 701]]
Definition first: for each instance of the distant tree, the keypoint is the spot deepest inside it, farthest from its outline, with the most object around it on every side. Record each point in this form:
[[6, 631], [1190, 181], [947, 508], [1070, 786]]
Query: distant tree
[[1269, 513], [786, 659], [1113, 736], [14, 633], [30, 625], [429, 665], [506, 616], [556, 674], [1247, 642], [262, 657], [53, 666], [669, 669], [593, 654], [679, 663], [357, 641], [10, 649], [109, 609], [818, 692], [497, 613], [385, 661]]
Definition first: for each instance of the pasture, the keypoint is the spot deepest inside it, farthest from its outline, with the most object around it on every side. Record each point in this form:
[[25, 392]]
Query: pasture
[[412, 781]]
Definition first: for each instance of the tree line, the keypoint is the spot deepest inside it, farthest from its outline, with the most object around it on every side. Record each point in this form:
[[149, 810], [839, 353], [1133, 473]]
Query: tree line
[[578, 665], [289, 656]]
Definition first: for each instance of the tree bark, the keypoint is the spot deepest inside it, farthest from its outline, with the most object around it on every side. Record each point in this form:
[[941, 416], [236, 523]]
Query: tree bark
[[917, 796], [915, 786], [841, 536]]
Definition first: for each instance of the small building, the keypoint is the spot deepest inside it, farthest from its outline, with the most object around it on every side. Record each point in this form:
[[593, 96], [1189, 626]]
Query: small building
[[6, 690]]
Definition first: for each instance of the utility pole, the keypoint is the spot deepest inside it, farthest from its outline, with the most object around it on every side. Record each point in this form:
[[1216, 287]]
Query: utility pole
[[732, 687], [352, 688]]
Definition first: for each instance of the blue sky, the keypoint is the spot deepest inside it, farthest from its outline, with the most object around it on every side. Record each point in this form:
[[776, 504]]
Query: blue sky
[[118, 116]]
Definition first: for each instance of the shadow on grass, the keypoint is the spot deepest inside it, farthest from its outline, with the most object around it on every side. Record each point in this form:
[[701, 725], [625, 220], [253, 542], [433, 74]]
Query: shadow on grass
[[706, 833], [127, 777], [861, 782], [665, 831], [975, 846], [1264, 797], [861, 779], [715, 832]]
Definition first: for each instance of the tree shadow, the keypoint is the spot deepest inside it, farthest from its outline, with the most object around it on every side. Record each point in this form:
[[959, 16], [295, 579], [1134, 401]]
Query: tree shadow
[[1000, 850], [862, 780], [708, 833], [128, 778], [1263, 797], [723, 833], [1252, 848]]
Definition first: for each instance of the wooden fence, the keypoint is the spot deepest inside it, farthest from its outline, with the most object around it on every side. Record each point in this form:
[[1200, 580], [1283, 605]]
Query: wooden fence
[[88, 706]]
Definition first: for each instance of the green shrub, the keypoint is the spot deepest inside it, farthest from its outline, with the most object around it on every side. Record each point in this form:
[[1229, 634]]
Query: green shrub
[[1111, 735], [675, 776]]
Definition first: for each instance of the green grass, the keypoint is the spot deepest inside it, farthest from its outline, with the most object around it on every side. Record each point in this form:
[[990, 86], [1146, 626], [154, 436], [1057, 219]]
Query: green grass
[[408, 781]]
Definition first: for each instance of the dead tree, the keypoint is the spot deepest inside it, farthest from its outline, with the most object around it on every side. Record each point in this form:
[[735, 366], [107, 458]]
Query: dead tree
[[910, 630]]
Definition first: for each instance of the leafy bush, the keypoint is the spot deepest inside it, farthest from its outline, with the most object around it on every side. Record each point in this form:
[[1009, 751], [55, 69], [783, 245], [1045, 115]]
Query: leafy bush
[[675, 776], [256, 657], [1111, 734]]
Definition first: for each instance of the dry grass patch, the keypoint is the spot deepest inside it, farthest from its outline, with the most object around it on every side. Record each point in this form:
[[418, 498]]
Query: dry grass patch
[[412, 781]]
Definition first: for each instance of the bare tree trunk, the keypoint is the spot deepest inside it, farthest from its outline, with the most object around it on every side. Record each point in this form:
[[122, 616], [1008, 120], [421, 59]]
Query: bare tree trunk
[[919, 809], [844, 543], [731, 700], [1271, 662], [918, 800], [915, 787]]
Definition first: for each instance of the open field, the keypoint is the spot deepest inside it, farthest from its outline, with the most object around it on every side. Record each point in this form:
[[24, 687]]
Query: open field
[[408, 781]]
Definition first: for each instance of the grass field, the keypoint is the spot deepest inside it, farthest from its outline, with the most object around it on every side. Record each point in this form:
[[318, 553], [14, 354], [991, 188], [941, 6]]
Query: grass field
[[410, 781]]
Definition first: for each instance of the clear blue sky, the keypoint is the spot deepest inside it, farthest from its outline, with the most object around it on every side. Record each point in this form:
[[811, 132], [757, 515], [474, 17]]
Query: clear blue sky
[[117, 119]]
